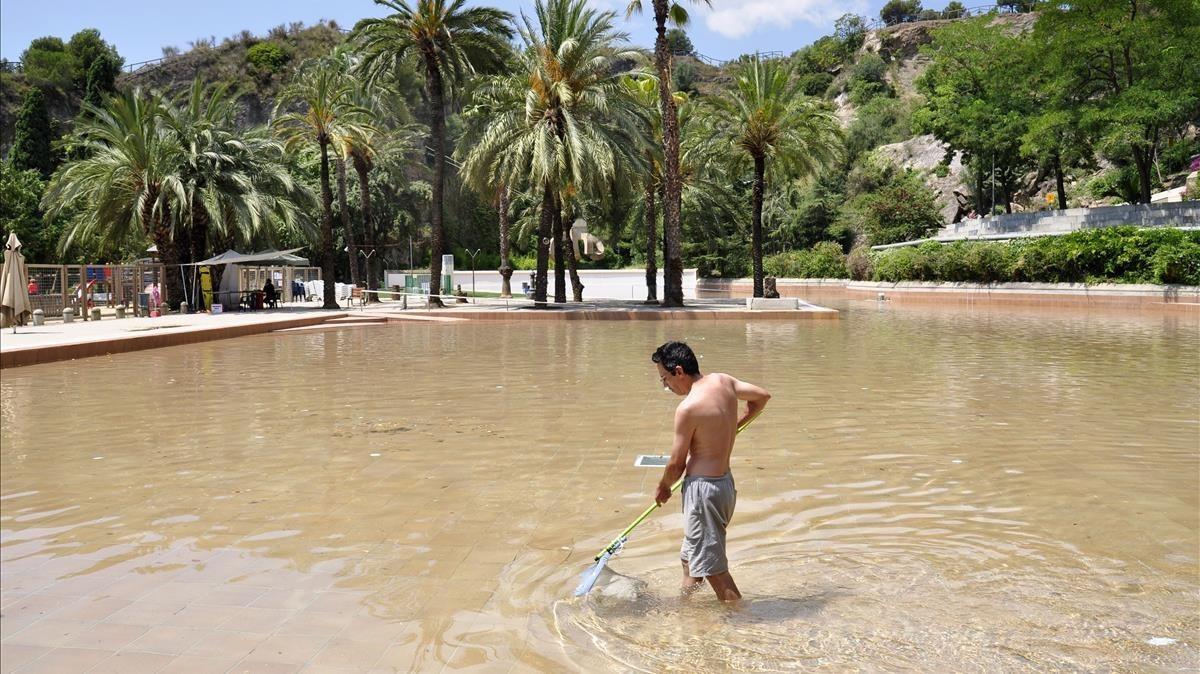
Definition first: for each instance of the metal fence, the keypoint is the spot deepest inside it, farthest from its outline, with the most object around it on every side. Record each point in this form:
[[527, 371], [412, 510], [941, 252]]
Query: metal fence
[[54, 287]]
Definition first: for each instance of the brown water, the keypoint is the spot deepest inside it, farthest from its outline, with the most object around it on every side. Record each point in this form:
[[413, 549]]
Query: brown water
[[946, 490]]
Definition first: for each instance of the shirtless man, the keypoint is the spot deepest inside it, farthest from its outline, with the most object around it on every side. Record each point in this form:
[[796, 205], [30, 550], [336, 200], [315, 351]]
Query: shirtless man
[[705, 425]]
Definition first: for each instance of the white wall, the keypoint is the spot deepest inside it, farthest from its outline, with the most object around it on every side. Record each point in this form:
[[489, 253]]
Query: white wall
[[620, 284]]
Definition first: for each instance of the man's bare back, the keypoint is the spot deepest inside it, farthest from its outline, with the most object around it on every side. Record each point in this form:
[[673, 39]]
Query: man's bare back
[[710, 408], [706, 424]]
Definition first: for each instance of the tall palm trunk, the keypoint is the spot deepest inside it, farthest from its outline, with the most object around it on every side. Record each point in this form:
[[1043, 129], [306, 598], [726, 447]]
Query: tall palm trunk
[[200, 226], [362, 168], [651, 245], [437, 127], [760, 165], [344, 211], [167, 254], [543, 245], [560, 270], [672, 228], [506, 270], [572, 263], [327, 230]]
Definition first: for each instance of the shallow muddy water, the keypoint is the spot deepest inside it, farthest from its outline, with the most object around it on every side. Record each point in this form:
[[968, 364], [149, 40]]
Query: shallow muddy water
[[929, 489]]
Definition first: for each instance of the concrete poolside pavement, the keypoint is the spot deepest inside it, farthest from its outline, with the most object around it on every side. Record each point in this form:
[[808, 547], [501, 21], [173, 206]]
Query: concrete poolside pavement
[[520, 308], [63, 341]]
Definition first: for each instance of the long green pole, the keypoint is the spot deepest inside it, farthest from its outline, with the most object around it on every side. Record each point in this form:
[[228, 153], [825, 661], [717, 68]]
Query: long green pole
[[674, 488]]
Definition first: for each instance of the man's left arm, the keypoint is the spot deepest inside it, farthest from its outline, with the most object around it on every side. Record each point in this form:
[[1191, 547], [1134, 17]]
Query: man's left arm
[[685, 427]]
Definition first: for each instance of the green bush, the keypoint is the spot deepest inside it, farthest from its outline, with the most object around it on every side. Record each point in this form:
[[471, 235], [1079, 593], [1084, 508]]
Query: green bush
[[815, 84], [525, 262], [1177, 264], [824, 260], [858, 263], [1115, 255], [267, 56], [903, 210], [900, 264]]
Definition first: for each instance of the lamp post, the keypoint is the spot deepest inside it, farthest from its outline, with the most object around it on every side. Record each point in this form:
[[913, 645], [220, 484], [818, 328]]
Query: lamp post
[[367, 267], [477, 250]]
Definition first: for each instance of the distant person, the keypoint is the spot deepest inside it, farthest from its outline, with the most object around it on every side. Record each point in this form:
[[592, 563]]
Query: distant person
[[269, 295], [33, 286], [706, 423]]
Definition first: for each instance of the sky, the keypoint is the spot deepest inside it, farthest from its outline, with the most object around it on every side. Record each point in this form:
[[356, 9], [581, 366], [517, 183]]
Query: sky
[[141, 28]]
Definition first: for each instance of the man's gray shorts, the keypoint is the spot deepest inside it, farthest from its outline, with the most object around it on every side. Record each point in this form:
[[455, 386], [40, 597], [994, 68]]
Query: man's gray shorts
[[707, 508]]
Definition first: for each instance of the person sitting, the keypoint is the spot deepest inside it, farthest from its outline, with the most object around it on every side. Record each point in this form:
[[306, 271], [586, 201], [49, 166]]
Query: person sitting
[[33, 286], [270, 298]]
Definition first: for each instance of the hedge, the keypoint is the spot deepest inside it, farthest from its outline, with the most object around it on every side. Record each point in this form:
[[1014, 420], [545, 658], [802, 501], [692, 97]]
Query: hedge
[[1112, 255]]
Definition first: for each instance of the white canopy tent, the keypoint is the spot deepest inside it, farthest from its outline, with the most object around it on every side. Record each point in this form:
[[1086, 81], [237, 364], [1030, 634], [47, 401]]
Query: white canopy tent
[[231, 280]]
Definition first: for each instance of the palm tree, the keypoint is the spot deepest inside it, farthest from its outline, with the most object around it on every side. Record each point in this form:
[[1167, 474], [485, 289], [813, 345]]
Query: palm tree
[[236, 181], [645, 90], [126, 183], [767, 117], [329, 115], [450, 41], [561, 122], [672, 184]]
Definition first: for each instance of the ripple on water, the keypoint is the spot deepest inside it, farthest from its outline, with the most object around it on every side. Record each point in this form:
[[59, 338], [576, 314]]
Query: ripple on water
[[898, 606]]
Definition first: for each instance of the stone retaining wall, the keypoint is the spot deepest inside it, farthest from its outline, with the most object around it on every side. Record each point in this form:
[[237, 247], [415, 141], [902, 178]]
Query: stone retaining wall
[[1170, 299], [1183, 213]]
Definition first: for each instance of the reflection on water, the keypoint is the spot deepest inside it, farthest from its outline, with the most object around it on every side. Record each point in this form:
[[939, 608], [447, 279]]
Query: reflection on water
[[930, 489]]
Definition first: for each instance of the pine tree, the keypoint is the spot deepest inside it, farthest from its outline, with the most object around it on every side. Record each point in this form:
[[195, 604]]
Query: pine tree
[[32, 136], [99, 82]]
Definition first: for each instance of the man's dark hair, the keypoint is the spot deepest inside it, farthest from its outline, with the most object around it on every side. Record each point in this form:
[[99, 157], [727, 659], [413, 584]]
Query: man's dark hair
[[676, 354]]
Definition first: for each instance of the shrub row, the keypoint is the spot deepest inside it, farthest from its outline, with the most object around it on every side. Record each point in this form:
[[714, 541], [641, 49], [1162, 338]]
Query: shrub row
[[1112, 255]]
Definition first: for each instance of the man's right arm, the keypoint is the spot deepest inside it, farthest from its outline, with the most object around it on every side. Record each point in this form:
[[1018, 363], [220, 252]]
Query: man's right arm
[[756, 399]]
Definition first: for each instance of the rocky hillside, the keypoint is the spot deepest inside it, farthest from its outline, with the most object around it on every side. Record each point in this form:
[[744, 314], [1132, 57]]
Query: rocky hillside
[[900, 48]]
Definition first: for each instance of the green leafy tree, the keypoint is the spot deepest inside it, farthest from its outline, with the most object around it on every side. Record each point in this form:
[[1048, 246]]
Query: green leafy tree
[[449, 41], [954, 10], [47, 63], [679, 42], [20, 192], [676, 13], [32, 136], [87, 49], [900, 11], [96, 64], [977, 102], [329, 115], [766, 118], [850, 30], [562, 122], [1134, 63]]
